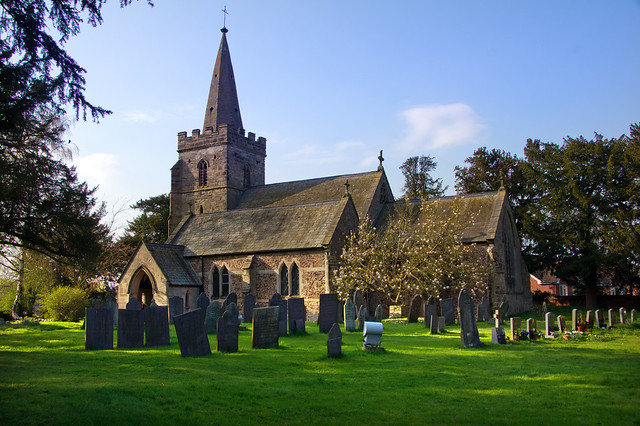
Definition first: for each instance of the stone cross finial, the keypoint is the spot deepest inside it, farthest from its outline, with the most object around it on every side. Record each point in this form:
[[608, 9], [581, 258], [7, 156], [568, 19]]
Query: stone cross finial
[[381, 158], [346, 189], [224, 19]]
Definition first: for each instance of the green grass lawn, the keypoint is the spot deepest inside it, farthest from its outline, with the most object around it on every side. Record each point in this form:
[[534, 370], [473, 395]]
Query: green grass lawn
[[46, 377]]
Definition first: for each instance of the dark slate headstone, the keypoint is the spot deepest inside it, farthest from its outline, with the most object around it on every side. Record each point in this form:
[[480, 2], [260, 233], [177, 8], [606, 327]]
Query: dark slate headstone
[[192, 336], [378, 313], [441, 324], [264, 330], [562, 325], [600, 319], [358, 300], [469, 336], [214, 311], [430, 311], [233, 309], [349, 315], [247, 307], [156, 325], [297, 314], [202, 302], [227, 336], [334, 341], [133, 304], [433, 323], [448, 311], [130, 328], [634, 314], [414, 308], [362, 317], [328, 315], [231, 298], [98, 332], [479, 312], [497, 336], [516, 327], [277, 300], [176, 307]]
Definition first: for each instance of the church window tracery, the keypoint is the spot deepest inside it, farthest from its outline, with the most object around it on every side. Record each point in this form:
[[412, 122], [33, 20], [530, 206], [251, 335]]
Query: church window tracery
[[295, 280], [284, 281], [202, 173], [215, 283], [225, 282]]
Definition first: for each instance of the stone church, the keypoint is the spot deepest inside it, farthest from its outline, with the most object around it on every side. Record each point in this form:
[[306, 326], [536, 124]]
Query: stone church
[[230, 232]]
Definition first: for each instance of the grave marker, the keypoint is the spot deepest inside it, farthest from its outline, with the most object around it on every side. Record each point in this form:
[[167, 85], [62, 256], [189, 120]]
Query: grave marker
[[433, 324], [447, 310], [498, 336], [133, 304], [349, 315], [176, 307], [192, 336], [214, 311], [130, 328], [634, 314], [297, 315], [623, 315], [231, 298], [227, 336], [574, 320], [378, 313], [358, 300], [156, 325], [611, 318], [469, 336], [362, 317], [600, 319], [247, 307], [590, 320], [264, 330], [277, 300], [531, 326], [98, 332], [414, 309], [562, 327], [334, 341], [202, 302], [548, 325], [430, 311], [328, 311], [516, 327], [441, 324]]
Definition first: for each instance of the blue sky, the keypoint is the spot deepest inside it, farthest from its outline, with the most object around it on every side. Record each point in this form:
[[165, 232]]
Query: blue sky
[[331, 83]]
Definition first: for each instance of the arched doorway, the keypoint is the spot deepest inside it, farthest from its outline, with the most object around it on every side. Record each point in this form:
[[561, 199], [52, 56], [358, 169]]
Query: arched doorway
[[142, 287]]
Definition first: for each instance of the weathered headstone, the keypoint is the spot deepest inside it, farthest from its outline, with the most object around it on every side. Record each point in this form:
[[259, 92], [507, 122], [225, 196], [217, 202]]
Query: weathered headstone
[[227, 336], [497, 336], [264, 329], [487, 309], [328, 314], [562, 326], [590, 320], [349, 315], [192, 336], [277, 300], [623, 315], [176, 307], [358, 300], [441, 324], [447, 310], [231, 298], [334, 341], [600, 319], [202, 302], [362, 316], [548, 324], [133, 304], [532, 327], [574, 319], [479, 312], [414, 308], [430, 311], [516, 327], [611, 318], [156, 325], [634, 314], [378, 313], [98, 332], [130, 328], [433, 324], [233, 309], [247, 307], [108, 302], [214, 311], [297, 315], [469, 336]]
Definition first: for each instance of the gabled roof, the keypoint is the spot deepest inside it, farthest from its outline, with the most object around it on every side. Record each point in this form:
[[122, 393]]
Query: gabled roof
[[268, 229], [362, 187], [170, 260]]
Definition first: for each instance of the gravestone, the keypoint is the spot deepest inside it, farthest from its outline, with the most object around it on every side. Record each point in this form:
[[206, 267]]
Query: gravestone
[[430, 311], [433, 324], [469, 336], [562, 326], [600, 319], [192, 336], [247, 307], [334, 341], [108, 302], [297, 315], [227, 336], [98, 331], [176, 307], [130, 327], [214, 311], [548, 325], [590, 320], [231, 298], [277, 300], [634, 314], [349, 315], [487, 309], [328, 311], [447, 310], [498, 336], [233, 309], [611, 318], [574, 320], [156, 325], [441, 324], [479, 312], [202, 302], [358, 300], [362, 316], [516, 327], [264, 329], [623, 315], [414, 308], [378, 313], [531, 325], [133, 304]]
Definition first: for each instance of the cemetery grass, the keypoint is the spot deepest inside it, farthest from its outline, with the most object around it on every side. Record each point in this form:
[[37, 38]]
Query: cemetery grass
[[46, 377]]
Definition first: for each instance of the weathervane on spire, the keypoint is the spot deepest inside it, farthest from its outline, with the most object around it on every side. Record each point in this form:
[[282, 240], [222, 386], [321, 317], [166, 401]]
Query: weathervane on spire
[[224, 19]]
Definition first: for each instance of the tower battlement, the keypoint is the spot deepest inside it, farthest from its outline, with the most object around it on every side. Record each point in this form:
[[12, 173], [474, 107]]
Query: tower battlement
[[220, 135]]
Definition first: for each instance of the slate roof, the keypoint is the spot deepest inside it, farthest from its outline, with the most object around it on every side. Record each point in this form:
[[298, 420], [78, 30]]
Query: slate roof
[[256, 230], [362, 187], [170, 259]]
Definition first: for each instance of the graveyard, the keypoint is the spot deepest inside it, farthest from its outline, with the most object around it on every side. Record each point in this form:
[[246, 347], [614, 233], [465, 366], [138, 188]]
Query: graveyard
[[48, 376]]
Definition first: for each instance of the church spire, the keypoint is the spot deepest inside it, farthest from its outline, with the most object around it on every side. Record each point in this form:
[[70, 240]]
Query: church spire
[[222, 105]]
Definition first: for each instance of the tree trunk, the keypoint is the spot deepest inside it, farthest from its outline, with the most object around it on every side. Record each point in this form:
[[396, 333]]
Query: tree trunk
[[591, 293], [16, 309]]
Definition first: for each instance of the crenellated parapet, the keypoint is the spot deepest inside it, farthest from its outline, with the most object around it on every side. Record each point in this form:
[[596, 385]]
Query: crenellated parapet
[[223, 134]]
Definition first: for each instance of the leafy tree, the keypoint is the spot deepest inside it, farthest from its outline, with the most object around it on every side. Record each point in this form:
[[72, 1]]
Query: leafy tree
[[151, 224], [418, 183]]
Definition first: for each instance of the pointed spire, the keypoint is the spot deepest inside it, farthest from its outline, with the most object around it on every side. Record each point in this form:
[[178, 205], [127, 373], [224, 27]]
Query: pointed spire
[[222, 105]]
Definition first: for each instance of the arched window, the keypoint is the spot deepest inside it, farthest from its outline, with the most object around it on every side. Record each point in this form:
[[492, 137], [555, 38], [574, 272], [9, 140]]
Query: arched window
[[247, 176], [215, 283], [225, 282], [202, 173], [284, 281], [295, 280]]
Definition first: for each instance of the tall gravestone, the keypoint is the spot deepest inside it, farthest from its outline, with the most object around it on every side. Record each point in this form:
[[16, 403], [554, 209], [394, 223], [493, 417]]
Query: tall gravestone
[[599, 319], [414, 308], [469, 335], [479, 312], [131, 325], [156, 325], [433, 324], [531, 326], [233, 310], [448, 311], [133, 304], [334, 341], [264, 329], [202, 302], [358, 300], [430, 311], [227, 335], [328, 311], [548, 324], [214, 311], [176, 307], [634, 314], [590, 320], [98, 331], [623, 315], [192, 336], [562, 326], [516, 327], [362, 317], [378, 313], [574, 319], [277, 300], [247, 307], [349, 315], [231, 298], [441, 324], [611, 318], [486, 309], [297, 314]]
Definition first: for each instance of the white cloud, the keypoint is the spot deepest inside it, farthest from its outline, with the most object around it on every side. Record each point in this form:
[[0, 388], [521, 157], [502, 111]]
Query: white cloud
[[437, 126], [138, 116], [97, 169]]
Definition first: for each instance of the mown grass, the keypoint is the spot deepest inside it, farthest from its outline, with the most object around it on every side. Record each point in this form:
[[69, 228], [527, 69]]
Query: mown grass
[[46, 377]]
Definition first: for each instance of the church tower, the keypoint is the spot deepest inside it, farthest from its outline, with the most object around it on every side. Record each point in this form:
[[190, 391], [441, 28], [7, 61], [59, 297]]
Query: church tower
[[216, 165]]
